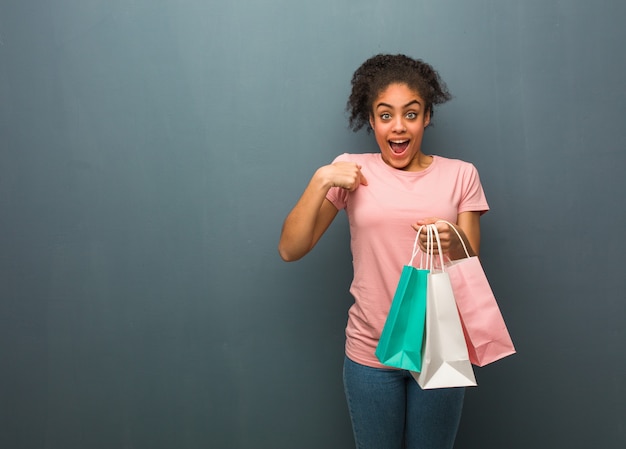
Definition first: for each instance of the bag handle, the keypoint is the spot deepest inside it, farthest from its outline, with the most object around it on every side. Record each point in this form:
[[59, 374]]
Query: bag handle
[[433, 229], [416, 248], [457, 233], [432, 235], [429, 247]]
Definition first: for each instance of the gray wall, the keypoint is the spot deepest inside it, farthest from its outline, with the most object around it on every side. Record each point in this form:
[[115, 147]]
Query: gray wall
[[150, 149]]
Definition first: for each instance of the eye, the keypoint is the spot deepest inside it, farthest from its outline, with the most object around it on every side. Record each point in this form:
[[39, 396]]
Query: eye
[[385, 116], [411, 115]]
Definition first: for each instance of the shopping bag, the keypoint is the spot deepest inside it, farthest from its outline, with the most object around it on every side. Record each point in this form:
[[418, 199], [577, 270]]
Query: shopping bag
[[445, 359], [485, 331], [400, 344]]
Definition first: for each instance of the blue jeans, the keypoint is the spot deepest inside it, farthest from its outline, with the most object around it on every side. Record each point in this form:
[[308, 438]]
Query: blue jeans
[[389, 410]]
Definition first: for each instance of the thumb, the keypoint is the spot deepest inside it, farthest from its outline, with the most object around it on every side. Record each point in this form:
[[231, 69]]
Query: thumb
[[362, 178], [426, 221]]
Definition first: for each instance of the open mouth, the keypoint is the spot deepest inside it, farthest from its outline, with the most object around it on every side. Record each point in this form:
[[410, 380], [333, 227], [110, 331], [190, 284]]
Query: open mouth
[[398, 146]]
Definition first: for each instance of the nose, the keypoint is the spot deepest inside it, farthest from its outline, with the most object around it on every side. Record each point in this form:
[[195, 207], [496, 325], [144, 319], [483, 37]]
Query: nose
[[398, 125]]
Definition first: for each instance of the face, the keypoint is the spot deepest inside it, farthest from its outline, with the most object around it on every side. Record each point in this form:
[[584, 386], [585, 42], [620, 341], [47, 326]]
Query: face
[[398, 119]]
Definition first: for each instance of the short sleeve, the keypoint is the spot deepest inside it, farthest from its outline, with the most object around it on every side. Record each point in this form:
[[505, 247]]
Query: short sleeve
[[473, 199]]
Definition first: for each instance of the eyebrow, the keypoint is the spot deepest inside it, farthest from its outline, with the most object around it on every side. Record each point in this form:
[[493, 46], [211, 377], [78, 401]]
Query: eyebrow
[[410, 103]]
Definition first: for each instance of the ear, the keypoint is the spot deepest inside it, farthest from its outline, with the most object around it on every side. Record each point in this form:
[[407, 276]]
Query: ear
[[371, 121], [427, 119]]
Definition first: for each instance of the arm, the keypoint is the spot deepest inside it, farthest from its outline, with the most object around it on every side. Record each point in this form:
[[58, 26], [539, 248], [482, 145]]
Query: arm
[[313, 213], [468, 225]]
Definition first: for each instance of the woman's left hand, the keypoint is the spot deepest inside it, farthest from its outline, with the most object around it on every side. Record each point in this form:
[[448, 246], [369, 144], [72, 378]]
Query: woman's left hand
[[444, 234], [448, 238]]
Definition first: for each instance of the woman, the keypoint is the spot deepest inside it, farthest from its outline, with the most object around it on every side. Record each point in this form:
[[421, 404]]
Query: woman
[[387, 196]]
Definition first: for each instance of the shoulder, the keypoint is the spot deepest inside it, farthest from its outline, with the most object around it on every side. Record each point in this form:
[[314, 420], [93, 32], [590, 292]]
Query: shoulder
[[464, 172], [359, 158], [454, 164]]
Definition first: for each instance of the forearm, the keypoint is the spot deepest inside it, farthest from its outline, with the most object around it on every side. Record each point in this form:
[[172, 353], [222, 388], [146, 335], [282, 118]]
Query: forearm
[[457, 251], [301, 228], [468, 226], [312, 215]]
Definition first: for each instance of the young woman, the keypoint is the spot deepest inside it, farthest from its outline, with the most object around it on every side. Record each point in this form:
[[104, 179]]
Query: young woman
[[387, 196]]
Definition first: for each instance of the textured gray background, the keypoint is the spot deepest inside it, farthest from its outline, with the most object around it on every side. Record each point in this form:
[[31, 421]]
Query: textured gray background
[[150, 149]]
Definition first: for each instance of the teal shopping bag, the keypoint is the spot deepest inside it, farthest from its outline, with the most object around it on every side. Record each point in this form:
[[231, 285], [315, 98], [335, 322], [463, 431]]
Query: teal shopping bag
[[400, 344]]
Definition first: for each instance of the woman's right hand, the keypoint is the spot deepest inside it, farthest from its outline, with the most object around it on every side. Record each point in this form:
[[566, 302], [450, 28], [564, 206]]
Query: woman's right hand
[[346, 175]]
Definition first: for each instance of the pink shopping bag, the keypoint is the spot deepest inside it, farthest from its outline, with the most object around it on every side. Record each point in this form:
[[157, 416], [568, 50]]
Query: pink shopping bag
[[485, 332]]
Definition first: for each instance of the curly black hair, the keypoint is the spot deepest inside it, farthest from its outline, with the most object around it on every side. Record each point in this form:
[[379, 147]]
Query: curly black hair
[[378, 72]]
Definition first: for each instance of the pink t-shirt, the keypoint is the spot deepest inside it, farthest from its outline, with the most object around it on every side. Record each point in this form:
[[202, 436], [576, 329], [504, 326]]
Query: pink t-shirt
[[380, 216]]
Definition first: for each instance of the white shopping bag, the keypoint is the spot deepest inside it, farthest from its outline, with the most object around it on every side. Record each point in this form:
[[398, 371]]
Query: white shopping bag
[[445, 359]]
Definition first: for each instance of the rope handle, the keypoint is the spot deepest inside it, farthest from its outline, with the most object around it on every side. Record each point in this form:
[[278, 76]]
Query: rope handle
[[429, 247], [415, 246], [432, 235], [435, 232]]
